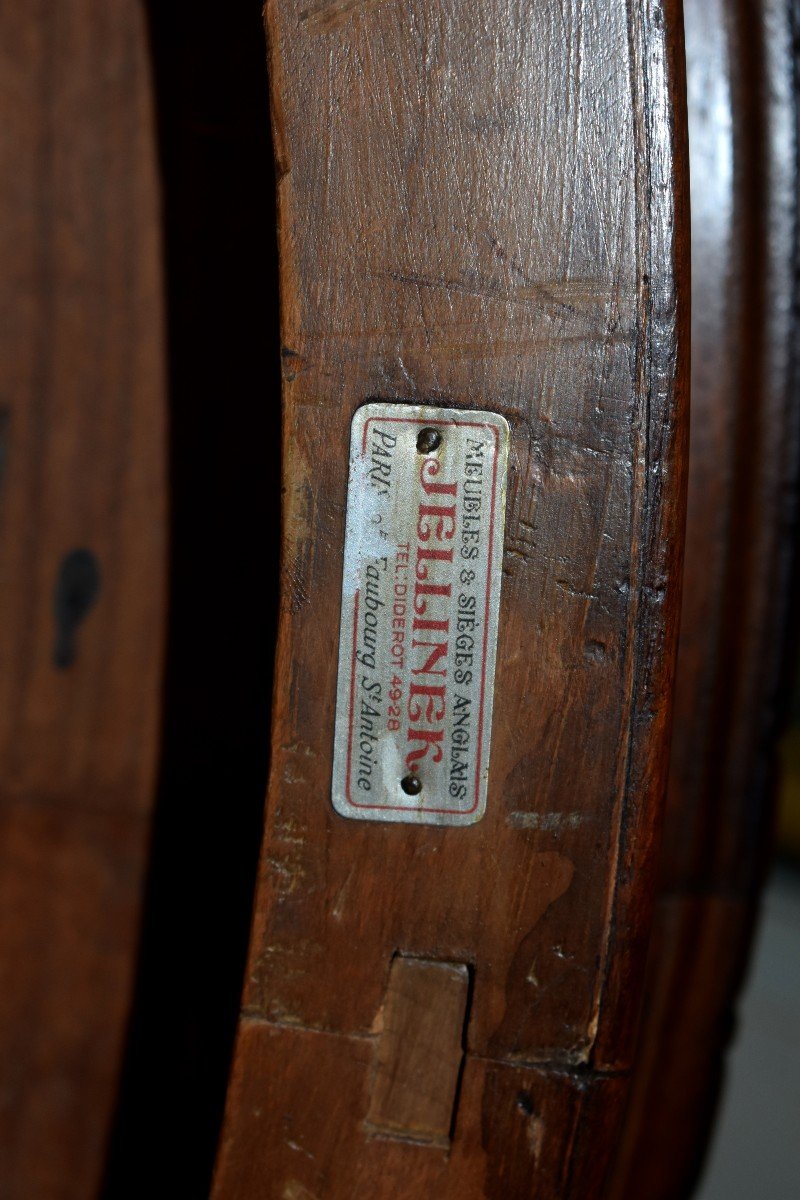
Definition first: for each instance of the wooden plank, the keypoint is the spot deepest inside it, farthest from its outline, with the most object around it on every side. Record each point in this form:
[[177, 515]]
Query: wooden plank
[[455, 231], [420, 1050], [516, 1126], [740, 547], [82, 545]]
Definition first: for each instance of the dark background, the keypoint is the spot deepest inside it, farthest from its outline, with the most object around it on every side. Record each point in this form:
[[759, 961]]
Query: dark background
[[224, 386]]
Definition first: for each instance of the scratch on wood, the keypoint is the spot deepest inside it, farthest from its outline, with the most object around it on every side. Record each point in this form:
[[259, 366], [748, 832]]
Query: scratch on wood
[[291, 778], [295, 1191], [299, 748], [338, 908], [298, 1149], [290, 831], [287, 876], [535, 1136], [325, 17], [570, 296], [551, 822], [576, 592]]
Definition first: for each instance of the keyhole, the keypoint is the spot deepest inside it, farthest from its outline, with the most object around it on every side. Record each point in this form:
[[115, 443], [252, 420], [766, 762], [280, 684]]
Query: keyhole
[[77, 588]]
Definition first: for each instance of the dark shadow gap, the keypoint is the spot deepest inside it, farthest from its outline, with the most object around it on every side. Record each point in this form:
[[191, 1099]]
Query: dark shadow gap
[[224, 388]]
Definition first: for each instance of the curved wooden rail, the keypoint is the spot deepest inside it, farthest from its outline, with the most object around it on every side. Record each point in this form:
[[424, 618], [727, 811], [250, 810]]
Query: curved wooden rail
[[740, 547], [480, 206], [82, 551]]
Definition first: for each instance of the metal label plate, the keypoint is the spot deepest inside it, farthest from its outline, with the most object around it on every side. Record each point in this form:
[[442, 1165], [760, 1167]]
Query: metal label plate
[[420, 599]]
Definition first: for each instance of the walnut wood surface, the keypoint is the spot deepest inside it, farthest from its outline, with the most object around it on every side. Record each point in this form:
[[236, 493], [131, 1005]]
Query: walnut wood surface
[[479, 206], [418, 1059], [83, 427], [741, 534]]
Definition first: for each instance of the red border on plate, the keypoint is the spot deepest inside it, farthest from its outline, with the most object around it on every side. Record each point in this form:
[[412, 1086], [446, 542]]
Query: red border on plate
[[457, 812]]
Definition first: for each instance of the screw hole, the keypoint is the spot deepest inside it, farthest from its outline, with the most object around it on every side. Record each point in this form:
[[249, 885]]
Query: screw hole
[[428, 440], [411, 785]]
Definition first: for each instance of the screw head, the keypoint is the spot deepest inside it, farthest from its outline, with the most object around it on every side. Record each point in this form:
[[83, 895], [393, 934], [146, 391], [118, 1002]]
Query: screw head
[[428, 440], [411, 785]]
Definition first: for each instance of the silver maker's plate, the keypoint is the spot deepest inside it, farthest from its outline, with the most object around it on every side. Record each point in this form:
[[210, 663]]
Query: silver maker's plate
[[420, 599]]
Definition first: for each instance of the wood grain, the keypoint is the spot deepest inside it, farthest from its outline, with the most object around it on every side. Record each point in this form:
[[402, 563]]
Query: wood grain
[[420, 1050], [81, 570], [740, 548], [479, 206], [517, 1127]]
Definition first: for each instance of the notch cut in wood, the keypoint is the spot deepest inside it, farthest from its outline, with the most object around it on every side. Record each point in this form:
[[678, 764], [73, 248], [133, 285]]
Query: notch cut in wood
[[420, 1051]]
